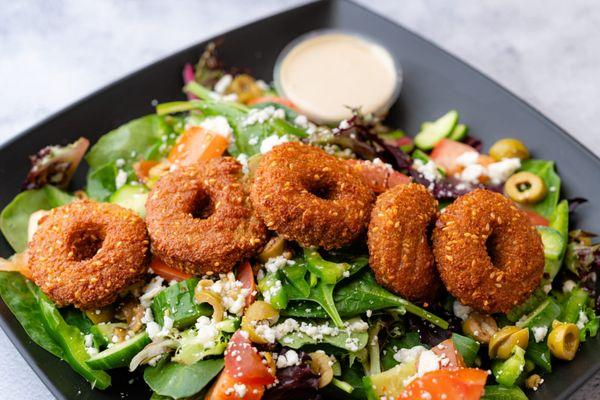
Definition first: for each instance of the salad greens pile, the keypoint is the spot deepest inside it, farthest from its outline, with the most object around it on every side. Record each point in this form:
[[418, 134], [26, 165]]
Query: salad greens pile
[[313, 303]]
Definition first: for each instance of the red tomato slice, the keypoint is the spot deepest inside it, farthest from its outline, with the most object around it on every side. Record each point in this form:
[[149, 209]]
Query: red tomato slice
[[459, 384], [273, 99], [246, 276], [170, 274], [446, 152], [379, 177], [243, 362], [447, 351], [225, 389], [397, 178], [142, 169], [197, 144], [536, 219]]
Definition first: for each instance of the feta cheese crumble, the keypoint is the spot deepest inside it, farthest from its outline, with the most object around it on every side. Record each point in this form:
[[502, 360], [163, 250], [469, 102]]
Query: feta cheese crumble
[[461, 311], [539, 333], [218, 125], [290, 358], [271, 141]]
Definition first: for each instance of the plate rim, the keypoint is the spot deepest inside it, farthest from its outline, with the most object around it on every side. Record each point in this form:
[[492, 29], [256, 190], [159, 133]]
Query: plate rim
[[22, 346]]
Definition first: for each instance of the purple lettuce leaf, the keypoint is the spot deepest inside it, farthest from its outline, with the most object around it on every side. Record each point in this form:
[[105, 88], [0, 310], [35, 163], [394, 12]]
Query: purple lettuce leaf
[[55, 165]]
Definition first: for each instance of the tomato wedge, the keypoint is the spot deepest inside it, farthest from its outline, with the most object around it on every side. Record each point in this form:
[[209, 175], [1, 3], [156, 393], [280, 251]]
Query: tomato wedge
[[168, 273], [273, 99], [445, 153], [443, 384], [197, 144], [447, 351], [246, 276], [535, 218], [243, 362], [378, 176], [142, 169], [225, 389]]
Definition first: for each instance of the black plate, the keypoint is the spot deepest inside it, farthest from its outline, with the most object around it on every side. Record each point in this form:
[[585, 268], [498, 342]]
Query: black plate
[[434, 82]]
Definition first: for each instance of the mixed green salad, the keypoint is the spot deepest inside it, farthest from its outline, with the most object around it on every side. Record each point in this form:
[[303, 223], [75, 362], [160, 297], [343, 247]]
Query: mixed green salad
[[297, 322]]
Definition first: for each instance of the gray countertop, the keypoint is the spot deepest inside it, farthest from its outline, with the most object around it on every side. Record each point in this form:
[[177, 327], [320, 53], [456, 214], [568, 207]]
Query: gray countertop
[[53, 53]]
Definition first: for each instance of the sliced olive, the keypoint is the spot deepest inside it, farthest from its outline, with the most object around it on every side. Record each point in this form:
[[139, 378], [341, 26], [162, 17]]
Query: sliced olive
[[480, 327], [504, 341], [320, 364], [525, 187], [259, 312], [509, 148], [245, 87], [274, 247], [563, 340]]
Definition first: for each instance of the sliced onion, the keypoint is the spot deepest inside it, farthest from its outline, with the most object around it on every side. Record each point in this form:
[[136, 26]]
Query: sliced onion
[[152, 350]]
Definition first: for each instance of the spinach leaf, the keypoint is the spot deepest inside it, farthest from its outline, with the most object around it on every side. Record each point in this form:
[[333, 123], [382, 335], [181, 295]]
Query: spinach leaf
[[70, 339], [296, 340], [129, 141], [545, 170], [14, 219], [101, 183], [322, 294], [178, 380], [357, 297], [77, 318], [179, 301], [17, 293]]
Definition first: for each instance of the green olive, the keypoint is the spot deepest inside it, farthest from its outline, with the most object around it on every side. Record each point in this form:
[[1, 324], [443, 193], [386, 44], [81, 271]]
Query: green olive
[[245, 87], [274, 247], [509, 148], [525, 187], [480, 327], [563, 340], [506, 339]]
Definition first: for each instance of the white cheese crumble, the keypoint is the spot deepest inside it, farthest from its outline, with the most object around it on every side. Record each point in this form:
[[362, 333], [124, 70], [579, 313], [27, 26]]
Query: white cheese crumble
[[274, 264], [583, 319], [232, 293], [497, 172], [271, 141], [500, 171], [223, 83], [429, 171], [301, 121], [239, 390], [407, 355], [428, 361], [460, 310], [344, 124], [208, 332], [352, 344], [568, 286], [262, 115], [153, 288], [120, 179], [89, 345], [290, 358], [243, 159], [218, 125], [317, 332], [539, 333]]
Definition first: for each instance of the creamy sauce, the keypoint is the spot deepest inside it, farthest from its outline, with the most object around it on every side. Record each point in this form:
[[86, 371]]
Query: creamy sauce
[[326, 74]]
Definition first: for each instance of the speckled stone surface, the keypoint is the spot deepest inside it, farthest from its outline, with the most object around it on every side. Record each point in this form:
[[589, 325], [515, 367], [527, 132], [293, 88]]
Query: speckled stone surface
[[55, 52]]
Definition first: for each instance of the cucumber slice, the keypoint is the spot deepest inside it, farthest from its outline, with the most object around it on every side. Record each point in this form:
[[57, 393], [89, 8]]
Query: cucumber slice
[[120, 354], [459, 132], [554, 250], [132, 197], [552, 239], [103, 333], [438, 130], [389, 384]]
